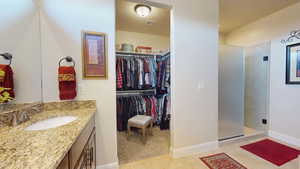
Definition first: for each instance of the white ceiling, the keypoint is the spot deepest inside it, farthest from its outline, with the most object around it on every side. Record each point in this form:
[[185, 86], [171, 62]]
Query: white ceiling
[[127, 19], [233, 14], [236, 13]]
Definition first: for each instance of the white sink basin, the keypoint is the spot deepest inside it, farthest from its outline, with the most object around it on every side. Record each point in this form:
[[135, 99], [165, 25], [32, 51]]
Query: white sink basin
[[51, 123]]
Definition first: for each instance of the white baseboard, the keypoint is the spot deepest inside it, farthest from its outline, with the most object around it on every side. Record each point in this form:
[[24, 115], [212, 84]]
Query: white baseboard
[[299, 161], [195, 149], [285, 138], [109, 166]]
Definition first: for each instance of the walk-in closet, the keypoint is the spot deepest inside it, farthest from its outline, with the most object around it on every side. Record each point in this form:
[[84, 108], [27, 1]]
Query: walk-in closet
[[143, 81]]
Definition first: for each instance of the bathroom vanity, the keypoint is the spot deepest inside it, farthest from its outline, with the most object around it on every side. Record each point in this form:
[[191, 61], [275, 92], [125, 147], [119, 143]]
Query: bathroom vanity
[[82, 154], [69, 146], [33, 134]]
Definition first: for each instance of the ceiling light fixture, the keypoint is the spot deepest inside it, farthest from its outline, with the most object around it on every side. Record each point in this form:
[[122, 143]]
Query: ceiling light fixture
[[142, 10]]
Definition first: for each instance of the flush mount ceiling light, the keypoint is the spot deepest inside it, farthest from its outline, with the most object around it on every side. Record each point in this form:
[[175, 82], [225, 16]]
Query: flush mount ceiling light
[[142, 10]]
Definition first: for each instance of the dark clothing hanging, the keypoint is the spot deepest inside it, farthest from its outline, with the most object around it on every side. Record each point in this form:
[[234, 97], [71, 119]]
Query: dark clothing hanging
[[163, 109], [166, 116], [163, 74], [135, 73], [128, 107]]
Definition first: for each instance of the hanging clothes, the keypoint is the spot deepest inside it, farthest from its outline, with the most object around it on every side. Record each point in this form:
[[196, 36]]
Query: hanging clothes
[[163, 74], [135, 73], [164, 111], [129, 106], [141, 73]]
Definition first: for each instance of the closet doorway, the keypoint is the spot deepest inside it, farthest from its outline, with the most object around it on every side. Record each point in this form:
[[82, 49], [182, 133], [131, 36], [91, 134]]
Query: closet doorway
[[143, 80]]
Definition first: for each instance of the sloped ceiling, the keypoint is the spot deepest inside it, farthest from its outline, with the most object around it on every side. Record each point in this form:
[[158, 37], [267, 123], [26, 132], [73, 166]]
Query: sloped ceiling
[[236, 13], [233, 14]]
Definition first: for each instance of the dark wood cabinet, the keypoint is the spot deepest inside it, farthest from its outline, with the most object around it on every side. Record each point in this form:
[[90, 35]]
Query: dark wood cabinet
[[92, 151], [64, 163], [82, 154], [88, 155]]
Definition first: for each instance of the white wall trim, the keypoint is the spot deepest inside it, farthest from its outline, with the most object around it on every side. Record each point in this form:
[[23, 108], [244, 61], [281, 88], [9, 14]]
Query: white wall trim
[[195, 149], [285, 138], [109, 166]]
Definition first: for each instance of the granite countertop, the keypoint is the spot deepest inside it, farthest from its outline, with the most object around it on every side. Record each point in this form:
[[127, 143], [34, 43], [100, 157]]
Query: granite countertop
[[20, 149], [7, 108]]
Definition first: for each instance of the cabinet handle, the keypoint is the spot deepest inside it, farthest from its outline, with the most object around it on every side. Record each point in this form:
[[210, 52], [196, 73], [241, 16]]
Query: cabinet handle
[[92, 155]]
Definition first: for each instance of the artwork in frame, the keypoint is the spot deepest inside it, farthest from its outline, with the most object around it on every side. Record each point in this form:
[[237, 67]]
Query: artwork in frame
[[94, 55], [293, 64]]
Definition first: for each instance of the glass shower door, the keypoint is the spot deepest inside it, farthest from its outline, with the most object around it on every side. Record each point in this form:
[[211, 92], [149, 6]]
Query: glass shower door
[[231, 92]]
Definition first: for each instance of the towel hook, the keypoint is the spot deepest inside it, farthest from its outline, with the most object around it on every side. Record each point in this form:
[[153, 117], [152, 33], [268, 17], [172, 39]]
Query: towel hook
[[68, 59], [7, 56]]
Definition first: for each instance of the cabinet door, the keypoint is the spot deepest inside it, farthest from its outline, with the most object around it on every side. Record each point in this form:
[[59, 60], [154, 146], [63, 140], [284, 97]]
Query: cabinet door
[[82, 162], [79, 147], [64, 163], [92, 150]]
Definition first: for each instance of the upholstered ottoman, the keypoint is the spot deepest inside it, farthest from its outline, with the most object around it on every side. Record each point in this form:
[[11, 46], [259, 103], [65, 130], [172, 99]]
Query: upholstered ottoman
[[141, 122]]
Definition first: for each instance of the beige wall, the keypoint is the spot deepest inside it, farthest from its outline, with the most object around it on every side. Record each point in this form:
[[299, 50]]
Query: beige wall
[[283, 109], [157, 42], [267, 28], [194, 68], [62, 23], [194, 75], [222, 37], [19, 35], [284, 99]]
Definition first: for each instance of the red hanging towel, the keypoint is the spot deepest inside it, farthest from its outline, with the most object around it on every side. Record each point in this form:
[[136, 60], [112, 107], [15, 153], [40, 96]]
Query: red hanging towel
[[6, 84], [67, 83]]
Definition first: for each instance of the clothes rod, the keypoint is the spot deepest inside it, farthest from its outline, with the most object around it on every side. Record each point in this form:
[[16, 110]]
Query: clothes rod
[[164, 54], [134, 54], [137, 92], [164, 57]]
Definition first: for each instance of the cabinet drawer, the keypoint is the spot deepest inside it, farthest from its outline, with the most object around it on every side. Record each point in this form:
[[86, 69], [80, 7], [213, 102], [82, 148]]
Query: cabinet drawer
[[80, 143]]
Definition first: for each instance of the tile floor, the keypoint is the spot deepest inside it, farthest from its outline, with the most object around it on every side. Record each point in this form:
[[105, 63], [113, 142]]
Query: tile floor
[[250, 131], [134, 150], [192, 162]]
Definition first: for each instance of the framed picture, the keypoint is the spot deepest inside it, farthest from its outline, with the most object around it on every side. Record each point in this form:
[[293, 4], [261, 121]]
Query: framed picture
[[94, 55], [293, 64]]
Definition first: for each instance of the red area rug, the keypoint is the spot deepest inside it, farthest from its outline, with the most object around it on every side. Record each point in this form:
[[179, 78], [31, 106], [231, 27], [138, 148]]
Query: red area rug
[[272, 151], [221, 161]]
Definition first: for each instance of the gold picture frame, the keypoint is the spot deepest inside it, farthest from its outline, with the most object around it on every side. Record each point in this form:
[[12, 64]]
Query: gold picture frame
[[94, 55]]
